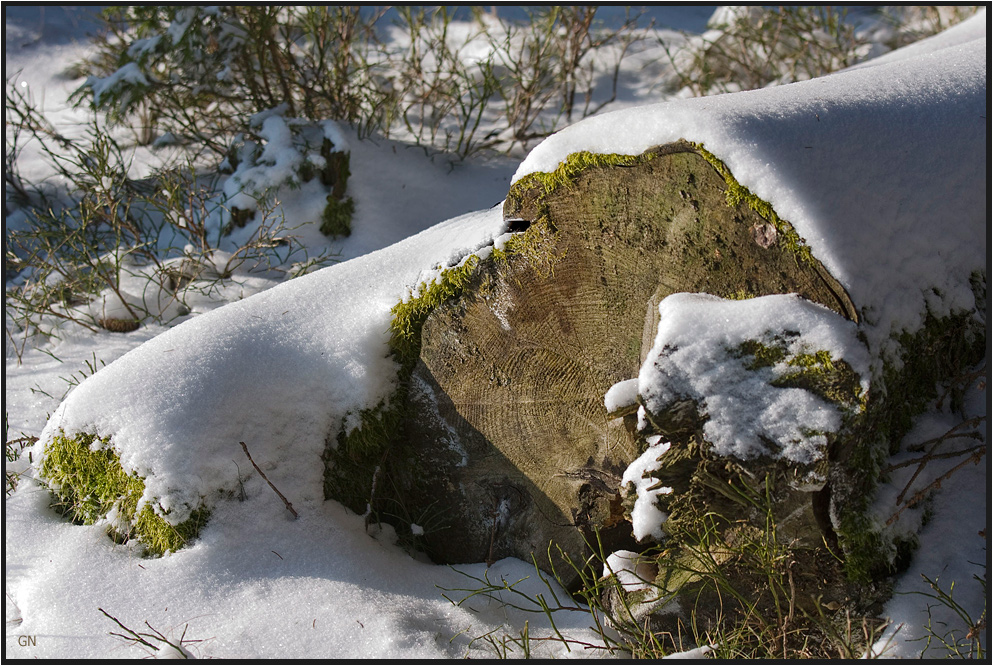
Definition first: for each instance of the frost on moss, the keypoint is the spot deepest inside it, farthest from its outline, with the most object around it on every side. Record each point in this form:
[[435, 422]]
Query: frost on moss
[[89, 484]]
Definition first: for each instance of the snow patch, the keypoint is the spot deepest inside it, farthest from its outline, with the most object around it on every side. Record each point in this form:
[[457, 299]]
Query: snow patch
[[695, 356], [646, 517]]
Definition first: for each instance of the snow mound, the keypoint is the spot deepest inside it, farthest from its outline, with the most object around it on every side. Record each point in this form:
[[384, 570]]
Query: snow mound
[[281, 371], [698, 355]]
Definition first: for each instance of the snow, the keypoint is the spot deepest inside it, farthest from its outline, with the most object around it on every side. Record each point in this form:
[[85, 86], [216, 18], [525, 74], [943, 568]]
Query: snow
[[279, 370], [633, 571], [129, 73], [646, 518], [695, 356], [315, 586], [284, 363], [621, 395]]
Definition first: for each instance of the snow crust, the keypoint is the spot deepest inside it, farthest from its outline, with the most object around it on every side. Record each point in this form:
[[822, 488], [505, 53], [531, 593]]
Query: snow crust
[[901, 138]]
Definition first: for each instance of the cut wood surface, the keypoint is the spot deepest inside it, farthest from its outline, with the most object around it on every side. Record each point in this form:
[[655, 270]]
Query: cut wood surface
[[512, 374]]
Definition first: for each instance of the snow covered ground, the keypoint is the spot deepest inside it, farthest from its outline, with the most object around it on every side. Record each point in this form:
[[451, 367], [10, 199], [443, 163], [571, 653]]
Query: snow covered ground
[[279, 367]]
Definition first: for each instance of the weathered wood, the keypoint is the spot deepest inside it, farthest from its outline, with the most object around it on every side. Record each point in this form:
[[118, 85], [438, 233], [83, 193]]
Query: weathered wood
[[512, 373]]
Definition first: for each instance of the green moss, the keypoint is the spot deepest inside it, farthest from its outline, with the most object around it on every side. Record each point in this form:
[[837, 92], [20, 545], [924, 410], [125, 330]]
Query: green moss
[[942, 350], [737, 193], [352, 465], [740, 295], [88, 483], [336, 169], [409, 315], [835, 381], [569, 170], [536, 246], [763, 356], [336, 220], [539, 185]]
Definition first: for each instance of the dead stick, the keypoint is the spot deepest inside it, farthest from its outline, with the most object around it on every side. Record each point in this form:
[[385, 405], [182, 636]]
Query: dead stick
[[919, 495], [275, 489]]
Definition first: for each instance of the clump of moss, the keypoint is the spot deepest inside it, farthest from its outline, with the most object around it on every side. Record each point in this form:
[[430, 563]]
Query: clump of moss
[[409, 315], [834, 381], [737, 193], [570, 168], [536, 246], [360, 456], [351, 464], [336, 220], [762, 355], [89, 484]]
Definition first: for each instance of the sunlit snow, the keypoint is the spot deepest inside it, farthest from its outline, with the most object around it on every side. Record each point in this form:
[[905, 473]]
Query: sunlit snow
[[280, 367]]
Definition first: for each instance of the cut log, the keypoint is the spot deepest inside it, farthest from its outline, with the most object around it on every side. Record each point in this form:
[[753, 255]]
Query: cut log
[[512, 373], [536, 419]]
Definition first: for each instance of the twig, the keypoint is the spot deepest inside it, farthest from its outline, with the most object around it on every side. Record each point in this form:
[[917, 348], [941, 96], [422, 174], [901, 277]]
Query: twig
[[136, 637], [27, 440], [939, 456], [274, 488], [930, 454], [976, 456], [372, 497]]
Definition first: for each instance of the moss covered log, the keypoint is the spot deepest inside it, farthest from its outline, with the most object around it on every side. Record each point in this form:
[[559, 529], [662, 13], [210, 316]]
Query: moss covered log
[[500, 432]]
